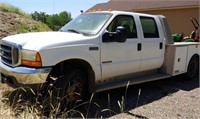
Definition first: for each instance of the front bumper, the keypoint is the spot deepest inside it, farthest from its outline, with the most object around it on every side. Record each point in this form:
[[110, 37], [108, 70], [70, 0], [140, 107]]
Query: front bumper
[[23, 75]]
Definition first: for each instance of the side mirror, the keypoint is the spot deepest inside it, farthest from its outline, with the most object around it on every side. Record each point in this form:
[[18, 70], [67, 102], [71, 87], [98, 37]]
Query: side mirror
[[119, 36]]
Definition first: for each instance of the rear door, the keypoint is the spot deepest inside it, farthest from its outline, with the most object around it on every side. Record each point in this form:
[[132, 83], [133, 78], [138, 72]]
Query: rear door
[[152, 43]]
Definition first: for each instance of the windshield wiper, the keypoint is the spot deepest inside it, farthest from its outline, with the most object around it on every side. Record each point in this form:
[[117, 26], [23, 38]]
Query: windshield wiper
[[75, 31]]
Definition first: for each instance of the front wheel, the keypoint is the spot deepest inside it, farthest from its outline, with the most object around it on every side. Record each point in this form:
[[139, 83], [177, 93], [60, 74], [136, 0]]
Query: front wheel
[[71, 86], [193, 68]]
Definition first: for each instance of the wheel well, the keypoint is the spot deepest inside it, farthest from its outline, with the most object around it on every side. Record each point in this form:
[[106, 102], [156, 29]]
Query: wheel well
[[193, 67], [58, 69], [195, 55]]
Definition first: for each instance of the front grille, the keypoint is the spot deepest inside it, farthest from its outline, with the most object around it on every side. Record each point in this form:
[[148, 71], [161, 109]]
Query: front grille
[[10, 53]]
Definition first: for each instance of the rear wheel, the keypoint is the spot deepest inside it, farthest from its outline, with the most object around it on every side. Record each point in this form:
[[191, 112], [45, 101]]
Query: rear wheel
[[193, 68]]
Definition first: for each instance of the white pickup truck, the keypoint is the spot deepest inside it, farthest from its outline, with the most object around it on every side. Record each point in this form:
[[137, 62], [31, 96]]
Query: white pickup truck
[[98, 51]]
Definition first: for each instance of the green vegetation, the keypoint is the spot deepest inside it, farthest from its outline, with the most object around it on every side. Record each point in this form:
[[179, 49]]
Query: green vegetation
[[14, 21], [36, 27], [12, 9], [55, 21]]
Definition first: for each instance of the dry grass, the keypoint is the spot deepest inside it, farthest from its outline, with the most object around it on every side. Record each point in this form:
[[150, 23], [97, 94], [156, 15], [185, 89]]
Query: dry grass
[[5, 110], [5, 7], [24, 103]]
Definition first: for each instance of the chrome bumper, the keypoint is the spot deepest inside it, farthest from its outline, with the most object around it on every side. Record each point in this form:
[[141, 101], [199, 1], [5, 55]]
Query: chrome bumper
[[23, 75]]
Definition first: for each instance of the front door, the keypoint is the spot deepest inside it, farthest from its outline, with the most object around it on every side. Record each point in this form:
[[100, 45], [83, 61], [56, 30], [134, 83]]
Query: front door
[[121, 58]]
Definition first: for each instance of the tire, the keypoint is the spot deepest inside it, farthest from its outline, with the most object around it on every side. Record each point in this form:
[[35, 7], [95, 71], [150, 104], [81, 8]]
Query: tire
[[193, 68], [71, 86]]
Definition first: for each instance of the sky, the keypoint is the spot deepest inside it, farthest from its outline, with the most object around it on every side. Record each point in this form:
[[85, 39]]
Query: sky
[[54, 6]]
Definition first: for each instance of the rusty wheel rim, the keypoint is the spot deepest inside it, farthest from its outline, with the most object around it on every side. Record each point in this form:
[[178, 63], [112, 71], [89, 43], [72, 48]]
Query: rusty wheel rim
[[75, 90]]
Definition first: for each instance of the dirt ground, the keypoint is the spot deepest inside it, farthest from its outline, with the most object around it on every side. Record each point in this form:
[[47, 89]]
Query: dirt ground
[[10, 22]]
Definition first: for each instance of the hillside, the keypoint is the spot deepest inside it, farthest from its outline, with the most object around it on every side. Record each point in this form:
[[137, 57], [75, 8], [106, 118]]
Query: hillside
[[14, 21]]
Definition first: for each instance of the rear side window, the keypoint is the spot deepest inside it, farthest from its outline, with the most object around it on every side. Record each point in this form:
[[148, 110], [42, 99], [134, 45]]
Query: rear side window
[[149, 26]]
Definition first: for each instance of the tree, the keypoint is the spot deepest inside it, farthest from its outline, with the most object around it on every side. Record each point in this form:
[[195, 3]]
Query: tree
[[55, 21], [64, 17], [39, 16]]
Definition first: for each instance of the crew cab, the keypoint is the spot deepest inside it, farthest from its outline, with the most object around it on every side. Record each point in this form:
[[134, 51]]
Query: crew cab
[[98, 51]]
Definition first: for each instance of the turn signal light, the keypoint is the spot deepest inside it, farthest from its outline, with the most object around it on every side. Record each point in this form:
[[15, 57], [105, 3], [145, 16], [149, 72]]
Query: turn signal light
[[36, 63]]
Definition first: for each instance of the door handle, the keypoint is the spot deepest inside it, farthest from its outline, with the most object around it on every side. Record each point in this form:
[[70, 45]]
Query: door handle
[[161, 45], [139, 46]]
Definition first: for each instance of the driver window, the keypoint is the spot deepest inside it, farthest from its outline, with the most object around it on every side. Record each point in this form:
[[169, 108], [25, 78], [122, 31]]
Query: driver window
[[127, 22]]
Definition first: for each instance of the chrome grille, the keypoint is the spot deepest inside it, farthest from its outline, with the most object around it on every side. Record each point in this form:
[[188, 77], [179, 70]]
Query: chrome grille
[[10, 53]]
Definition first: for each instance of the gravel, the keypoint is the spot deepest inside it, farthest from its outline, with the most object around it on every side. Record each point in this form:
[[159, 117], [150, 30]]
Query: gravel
[[165, 99], [182, 104]]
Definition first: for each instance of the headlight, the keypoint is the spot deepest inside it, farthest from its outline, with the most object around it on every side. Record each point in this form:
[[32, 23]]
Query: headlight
[[31, 58]]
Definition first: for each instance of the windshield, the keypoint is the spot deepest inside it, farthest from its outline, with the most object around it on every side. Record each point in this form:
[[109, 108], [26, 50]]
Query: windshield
[[89, 24]]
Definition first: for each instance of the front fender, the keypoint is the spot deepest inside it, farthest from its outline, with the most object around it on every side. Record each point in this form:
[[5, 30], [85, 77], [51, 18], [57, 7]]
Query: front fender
[[53, 56]]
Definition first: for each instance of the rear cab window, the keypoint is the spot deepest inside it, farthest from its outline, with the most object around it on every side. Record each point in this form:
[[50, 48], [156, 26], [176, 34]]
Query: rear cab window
[[149, 27]]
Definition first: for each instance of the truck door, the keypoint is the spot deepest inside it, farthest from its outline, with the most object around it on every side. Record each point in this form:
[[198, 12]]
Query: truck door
[[153, 43], [121, 58]]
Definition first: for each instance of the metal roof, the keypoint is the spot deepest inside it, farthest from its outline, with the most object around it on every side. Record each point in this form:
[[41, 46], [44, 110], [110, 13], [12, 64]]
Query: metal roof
[[137, 5]]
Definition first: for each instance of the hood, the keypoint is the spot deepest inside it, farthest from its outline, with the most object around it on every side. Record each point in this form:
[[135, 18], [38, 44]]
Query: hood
[[44, 40]]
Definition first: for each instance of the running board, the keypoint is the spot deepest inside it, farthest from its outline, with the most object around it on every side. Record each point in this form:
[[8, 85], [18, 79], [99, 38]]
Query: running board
[[122, 83]]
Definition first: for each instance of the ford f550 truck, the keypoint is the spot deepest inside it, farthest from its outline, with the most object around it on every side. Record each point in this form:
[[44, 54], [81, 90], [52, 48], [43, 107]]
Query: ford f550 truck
[[98, 51]]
